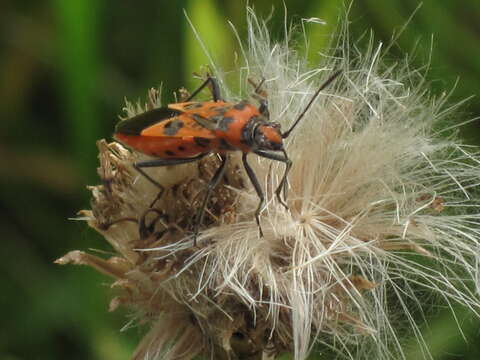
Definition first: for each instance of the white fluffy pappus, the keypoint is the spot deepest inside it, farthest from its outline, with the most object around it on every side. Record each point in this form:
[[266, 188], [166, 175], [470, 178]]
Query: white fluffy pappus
[[382, 208]]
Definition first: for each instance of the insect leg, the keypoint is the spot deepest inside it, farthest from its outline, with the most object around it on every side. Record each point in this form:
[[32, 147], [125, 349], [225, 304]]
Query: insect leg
[[139, 165], [146, 230], [215, 89], [261, 96], [257, 88], [210, 187], [283, 182], [258, 189]]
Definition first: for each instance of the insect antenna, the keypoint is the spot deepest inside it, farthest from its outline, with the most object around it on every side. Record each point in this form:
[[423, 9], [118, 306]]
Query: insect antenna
[[310, 103]]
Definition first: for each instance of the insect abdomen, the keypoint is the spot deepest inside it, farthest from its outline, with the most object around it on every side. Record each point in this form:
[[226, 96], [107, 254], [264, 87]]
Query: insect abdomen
[[168, 147]]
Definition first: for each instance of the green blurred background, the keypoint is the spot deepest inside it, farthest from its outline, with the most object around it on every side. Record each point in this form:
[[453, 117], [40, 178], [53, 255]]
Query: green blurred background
[[65, 68]]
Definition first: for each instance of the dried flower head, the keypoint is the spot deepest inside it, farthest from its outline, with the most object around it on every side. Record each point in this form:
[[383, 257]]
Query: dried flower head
[[381, 208]]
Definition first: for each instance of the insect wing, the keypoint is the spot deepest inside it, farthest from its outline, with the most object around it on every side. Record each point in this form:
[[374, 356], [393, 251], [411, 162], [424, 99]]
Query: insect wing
[[180, 126], [206, 110], [136, 124]]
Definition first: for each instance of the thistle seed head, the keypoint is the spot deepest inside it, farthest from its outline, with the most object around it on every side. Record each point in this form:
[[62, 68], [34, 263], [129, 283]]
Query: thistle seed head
[[381, 207]]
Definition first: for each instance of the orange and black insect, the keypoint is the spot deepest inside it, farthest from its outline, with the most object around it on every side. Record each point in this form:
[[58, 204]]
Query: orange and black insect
[[185, 132]]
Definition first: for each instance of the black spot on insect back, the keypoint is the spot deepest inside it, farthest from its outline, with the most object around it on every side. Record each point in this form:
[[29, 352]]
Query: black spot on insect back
[[201, 141], [181, 148], [220, 110], [240, 106], [172, 127], [169, 153], [193, 106], [224, 124], [198, 118], [216, 120], [224, 145]]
